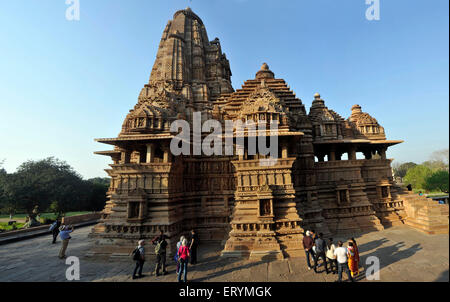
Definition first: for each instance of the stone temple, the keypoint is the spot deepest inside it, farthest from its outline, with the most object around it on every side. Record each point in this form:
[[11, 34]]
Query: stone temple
[[255, 211]]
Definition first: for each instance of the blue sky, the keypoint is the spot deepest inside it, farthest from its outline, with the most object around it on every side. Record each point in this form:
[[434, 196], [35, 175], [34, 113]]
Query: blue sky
[[64, 83]]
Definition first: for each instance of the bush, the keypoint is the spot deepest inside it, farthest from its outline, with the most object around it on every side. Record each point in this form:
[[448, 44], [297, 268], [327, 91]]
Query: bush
[[438, 181]]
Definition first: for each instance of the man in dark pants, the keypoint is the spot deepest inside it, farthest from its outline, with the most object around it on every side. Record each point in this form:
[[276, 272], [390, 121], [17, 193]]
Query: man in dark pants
[[55, 229], [321, 247], [140, 259], [307, 245], [193, 247], [160, 251]]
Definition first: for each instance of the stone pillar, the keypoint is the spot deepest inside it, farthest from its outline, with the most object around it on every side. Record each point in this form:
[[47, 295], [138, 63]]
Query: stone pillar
[[352, 154], [332, 155], [167, 155], [141, 210], [126, 156], [382, 153], [284, 151], [150, 153]]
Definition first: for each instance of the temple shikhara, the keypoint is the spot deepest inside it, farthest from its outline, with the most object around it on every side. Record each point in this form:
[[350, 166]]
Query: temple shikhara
[[256, 211]]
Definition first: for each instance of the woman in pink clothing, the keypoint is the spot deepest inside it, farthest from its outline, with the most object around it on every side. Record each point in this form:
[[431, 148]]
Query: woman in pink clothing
[[183, 258]]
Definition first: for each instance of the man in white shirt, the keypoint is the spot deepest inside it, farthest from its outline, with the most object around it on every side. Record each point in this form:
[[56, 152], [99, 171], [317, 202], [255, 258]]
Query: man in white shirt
[[341, 257]]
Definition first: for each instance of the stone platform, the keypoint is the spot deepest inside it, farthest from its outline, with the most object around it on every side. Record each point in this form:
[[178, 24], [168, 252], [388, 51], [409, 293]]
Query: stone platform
[[405, 254]]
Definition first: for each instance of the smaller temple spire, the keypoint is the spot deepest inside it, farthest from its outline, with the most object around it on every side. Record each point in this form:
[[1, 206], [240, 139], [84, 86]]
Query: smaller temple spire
[[318, 102], [265, 72]]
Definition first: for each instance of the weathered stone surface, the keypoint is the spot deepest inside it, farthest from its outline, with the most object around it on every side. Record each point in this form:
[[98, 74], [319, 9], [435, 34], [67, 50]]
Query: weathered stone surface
[[258, 211]]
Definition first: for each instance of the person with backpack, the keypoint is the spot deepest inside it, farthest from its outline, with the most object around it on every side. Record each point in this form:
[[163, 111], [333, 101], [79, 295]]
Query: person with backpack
[[160, 251], [139, 256], [54, 228], [179, 243], [183, 258]]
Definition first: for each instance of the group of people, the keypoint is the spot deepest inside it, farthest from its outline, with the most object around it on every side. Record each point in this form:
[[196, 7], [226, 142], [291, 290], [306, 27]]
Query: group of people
[[341, 259], [57, 228], [186, 250]]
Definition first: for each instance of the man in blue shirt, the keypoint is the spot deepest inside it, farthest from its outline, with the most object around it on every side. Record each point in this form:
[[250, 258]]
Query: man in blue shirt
[[64, 234]]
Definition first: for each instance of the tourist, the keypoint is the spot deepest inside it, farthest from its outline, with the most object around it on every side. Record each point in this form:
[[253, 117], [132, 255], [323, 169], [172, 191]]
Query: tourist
[[314, 237], [352, 262], [54, 228], [64, 234], [357, 260], [331, 257], [160, 251], [341, 257], [179, 243], [183, 258], [193, 247], [308, 245], [321, 247], [139, 257]]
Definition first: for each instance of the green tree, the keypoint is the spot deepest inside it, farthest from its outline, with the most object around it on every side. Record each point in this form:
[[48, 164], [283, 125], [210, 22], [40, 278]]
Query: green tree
[[437, 181], [5, 203], [43, 181], [417, 176], [105, 181], [97, 196], [400, 170]]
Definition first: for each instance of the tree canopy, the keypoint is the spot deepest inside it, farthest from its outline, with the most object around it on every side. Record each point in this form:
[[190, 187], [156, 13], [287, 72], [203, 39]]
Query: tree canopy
[[417, 176], [438, 181], [52, 185], [400, 170]]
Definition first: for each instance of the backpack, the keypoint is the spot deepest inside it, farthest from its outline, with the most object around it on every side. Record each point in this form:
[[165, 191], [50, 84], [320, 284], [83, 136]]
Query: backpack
[[161, 247], [53, 226], [136, 255]]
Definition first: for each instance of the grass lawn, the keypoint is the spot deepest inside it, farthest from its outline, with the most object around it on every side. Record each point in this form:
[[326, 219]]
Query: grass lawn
[[6, 227], [436, 194]]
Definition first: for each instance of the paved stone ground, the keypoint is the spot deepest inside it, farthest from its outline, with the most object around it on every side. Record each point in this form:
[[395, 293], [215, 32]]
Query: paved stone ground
[[405, 255]]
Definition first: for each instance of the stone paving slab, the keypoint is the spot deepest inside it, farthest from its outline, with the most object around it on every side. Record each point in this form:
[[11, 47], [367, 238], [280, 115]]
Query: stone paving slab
[[405, 255]]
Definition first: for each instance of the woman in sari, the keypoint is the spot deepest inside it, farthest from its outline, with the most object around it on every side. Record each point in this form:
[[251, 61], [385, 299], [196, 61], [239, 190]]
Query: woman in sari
[[352, 263], [355, 246]]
